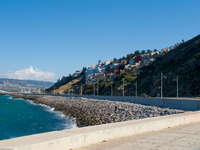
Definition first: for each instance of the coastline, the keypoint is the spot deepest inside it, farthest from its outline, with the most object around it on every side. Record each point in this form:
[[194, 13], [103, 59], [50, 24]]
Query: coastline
[[59, 113], [29, 118], [89, 112]]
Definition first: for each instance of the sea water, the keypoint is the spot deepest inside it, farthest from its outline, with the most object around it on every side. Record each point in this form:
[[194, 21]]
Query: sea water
[[21, 118]]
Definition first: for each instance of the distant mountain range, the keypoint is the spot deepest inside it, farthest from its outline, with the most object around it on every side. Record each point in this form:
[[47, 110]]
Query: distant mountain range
[[14, 85]]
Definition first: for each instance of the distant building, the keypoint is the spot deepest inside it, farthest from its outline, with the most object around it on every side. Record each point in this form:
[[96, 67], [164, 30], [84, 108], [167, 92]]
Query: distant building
[[90, 71], [124, 62], [77, 73], [152, 59], [94, 70], [165, 49], [138, 63], [129, 66], [145, 61], [117, 71], [107, 62], [100, 63], [146, 56], [155, 53], [138, 59], [131, 62], [115, 65], [99, 76]]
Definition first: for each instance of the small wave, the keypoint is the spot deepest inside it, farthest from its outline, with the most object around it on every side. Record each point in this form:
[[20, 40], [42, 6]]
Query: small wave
[[62, 115], [70, 123], [52, 109], [10, 97], [42, 105], [74, 126], [71, 126]]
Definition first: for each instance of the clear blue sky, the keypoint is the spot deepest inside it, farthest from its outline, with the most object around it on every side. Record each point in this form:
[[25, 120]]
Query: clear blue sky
[[62, 36]]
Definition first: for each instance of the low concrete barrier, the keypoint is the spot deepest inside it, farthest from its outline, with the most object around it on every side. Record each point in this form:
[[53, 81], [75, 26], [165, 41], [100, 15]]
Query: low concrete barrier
[[79, 137], [188, 104], [183, 103]]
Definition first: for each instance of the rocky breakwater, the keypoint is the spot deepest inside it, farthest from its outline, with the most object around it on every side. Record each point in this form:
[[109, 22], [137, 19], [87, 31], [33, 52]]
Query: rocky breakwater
[[95, 112]]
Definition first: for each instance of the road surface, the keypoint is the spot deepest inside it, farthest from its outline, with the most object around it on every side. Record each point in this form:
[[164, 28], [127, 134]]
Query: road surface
[[179, 138]]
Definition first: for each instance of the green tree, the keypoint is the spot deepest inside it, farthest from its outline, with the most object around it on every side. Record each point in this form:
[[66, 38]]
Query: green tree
[[143, 52], [148, 51], [115, 60], [137, 52]]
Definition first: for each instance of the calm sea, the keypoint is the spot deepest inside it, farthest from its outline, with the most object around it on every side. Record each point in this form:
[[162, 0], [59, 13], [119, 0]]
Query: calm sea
[[21, 118]]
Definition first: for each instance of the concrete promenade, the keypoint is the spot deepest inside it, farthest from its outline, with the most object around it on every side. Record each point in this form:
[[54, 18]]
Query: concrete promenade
[[179, 138], [81, 137]]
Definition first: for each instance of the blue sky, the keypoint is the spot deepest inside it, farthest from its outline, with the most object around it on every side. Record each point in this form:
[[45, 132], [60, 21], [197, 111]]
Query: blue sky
[[62, 36]]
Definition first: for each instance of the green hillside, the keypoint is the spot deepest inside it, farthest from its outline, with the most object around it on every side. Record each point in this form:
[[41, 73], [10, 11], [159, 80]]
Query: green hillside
[[182, 62]]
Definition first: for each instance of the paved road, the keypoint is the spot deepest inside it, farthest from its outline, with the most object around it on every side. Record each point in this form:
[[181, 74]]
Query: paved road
[[180, 138]]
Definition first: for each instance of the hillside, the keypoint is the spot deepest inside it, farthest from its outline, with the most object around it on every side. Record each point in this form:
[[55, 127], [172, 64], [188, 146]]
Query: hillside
[[14, 85], [181, 61], [184, 62]]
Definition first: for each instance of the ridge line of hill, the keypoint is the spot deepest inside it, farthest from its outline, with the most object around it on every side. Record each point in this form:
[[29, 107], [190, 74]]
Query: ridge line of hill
[[180, 62]]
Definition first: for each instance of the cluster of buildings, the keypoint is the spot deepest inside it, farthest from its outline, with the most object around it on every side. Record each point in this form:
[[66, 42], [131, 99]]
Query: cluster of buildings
[[111, 69], [96, 72], [172, 47], [19, 88]]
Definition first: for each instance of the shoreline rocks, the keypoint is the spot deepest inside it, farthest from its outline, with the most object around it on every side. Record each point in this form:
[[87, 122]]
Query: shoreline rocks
[[90, 112]]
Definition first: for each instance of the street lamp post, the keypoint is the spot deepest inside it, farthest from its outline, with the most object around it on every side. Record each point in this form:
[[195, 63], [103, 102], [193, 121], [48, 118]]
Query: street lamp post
[[177, 90], [123, 88], [111, 90], [94, 89], [97, 87], [161, 89], [136, 87], [81, 90]]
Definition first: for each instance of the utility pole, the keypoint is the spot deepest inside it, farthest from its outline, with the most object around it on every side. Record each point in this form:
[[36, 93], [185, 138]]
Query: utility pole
[[136, 87], [81, 90], [97, 87], [161, 88], [94, 89], [72, 91], [177, 90], [111, 89], [123, 88]]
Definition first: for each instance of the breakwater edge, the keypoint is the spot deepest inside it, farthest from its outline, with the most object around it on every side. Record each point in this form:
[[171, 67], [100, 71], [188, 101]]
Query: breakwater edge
[[20, 117], [88, 112]]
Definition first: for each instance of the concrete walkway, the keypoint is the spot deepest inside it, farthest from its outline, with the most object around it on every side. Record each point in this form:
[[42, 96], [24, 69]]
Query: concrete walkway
[[179, 138]]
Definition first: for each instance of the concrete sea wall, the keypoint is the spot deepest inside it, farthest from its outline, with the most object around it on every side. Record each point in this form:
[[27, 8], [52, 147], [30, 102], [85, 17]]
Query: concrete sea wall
[[76, 138]]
